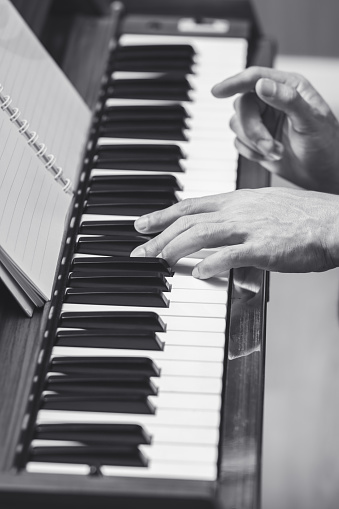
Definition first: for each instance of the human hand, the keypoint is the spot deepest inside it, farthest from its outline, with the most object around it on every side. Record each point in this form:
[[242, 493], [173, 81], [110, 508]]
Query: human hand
[[308, 151], [275, 229]]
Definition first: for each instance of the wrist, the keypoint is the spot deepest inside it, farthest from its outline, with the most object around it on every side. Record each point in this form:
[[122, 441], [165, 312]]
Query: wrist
[[331, 244]]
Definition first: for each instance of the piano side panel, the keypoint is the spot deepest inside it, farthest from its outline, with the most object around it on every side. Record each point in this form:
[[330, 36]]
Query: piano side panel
[[240, 454]]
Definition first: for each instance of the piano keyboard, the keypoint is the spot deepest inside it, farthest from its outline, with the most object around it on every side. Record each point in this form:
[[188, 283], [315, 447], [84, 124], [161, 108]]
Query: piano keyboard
[[134, 383]]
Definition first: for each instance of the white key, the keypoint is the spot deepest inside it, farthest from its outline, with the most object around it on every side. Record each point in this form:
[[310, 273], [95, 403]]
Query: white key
[[36, 467], [170, 353], [176, 309], [179, 295], [168, 470], [197, 418], [209, 340], [179, 281]]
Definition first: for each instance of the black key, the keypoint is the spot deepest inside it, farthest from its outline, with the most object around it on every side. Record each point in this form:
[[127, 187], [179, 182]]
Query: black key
[[143, 152], [99, 387], [120, 228], [136, 281], [94, 455], [152, 65], [139, 183], [101, 338], [148, 113], [113, 227], [103, 266], [105, 434], [165, 166], [166, 132], [107, 246], [105, 366], [114, 320], [150, 297], [126, 209], [149, 89], [98, 403], [162, 50], [132, 197]]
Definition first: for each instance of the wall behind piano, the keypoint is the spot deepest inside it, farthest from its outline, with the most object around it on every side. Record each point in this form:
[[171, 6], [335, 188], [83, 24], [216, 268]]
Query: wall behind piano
[[301, 27]]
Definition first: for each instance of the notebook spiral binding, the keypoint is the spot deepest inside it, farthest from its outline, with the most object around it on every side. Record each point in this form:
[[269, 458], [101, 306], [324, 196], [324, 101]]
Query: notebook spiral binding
[[40, 149]]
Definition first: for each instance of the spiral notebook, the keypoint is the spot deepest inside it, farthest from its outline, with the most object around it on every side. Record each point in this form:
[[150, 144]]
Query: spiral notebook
[[44, 126]]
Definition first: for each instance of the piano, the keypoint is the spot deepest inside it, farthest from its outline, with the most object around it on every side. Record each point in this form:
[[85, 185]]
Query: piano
[[138, 383]]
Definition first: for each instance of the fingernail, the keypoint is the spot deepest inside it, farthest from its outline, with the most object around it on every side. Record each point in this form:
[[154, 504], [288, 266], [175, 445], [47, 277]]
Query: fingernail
[[196, 272], [141, 223], [267, 87], [215, 90], [138, 252], [265, 146], [271, 149]]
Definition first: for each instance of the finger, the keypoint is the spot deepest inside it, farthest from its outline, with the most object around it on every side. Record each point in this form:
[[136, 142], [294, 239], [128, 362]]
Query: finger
[[288, 100], [161, 219], [247, 79], [269, 149], [250, 109], [155, 246], [231, 257], [200, 236], [249, 153]]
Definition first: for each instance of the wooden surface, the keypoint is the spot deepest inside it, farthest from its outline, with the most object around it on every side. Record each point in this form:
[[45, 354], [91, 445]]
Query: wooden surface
[[301, 27], [301, 418]]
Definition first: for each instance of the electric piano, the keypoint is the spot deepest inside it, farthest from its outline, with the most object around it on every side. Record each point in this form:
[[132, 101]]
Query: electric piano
[[138, 384]]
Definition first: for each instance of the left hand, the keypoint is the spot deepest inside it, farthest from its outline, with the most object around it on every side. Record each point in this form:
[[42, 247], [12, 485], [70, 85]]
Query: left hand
[[275, 229]]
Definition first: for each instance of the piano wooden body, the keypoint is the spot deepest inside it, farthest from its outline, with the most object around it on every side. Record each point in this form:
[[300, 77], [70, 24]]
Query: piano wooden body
[[83, 56]]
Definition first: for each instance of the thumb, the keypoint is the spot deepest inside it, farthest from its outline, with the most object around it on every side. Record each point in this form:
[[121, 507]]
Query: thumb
[[288, 100]]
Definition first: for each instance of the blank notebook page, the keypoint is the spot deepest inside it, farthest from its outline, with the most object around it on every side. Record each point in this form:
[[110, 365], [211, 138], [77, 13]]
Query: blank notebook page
[[42, 92], [33, 209], [33, 206]]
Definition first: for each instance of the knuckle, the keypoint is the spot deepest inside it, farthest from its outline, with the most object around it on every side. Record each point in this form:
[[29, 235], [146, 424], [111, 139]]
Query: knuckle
[[186, 206], [152, 247], [203, 232], [301, 79], [182, 223]]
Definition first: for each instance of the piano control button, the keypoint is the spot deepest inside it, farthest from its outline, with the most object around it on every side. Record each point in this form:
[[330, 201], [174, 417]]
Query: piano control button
[[119, 366], [102, 338], [104, 434]]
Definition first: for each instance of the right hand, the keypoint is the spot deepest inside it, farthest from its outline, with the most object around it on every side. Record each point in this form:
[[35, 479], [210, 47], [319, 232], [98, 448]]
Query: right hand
[[307, 152]]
